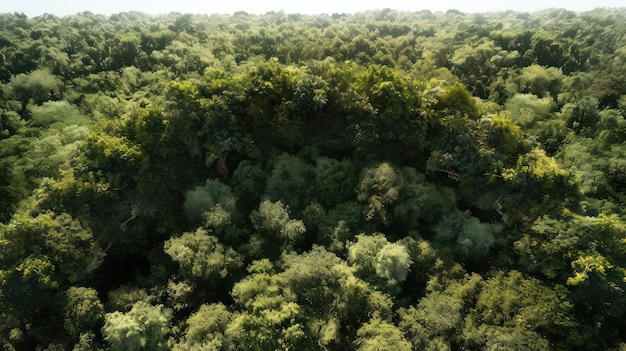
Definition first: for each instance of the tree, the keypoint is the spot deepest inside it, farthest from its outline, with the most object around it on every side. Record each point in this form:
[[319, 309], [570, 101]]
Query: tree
[[457, 98], [540, 81], [146, 160], [391, 114], [466, 235], [376, 260], [201, 257], [585, 254], [37, 87], [436, 318], [379, 187], [144, 327], [420, 201], [122, 51], [203, 199], [334, 181], [582, 116], [42, 256], [62, 244], [249, 178], [58, 114], [288, 182], [84, 313], [478, 63], [535, 174], [437, 321], [546, 50], [315, 297], [524, 306], [205, 329], [272, 222], [380, 335], [270, 318]]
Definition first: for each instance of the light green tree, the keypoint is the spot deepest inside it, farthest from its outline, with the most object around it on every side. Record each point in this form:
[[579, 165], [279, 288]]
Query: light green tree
[[144, 327], [540, 81], [201, 256], [380, 335], [270, 317], [37, 87], [519, 313], [272, 222], [205, 329], [437, 321], [376, 260], [84, 313]]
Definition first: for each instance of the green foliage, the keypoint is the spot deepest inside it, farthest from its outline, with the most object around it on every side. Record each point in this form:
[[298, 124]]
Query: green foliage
[[546, 51], [201, 256], [469, 238], [315, 296], [273, 223], [270, 318], [49, 249], [527, 109], [249, 179], [377, 335], [392, 114], [41, 257], [114, 155], [434, 321], [437, 321], [507, 138], [457, 98], [37, 87], [205, 329], [582, 252], [540, 81], [503, 338], [510, 300], [542, 179], [124, 297], [582, 117], [203, 199], [379, 187], [376, 260], [334, 181], [313, 276], [288, 182], [421, 201], [144, 327], [519, 313], [484, 151], [86, 342], [83, 311], [57, 114]]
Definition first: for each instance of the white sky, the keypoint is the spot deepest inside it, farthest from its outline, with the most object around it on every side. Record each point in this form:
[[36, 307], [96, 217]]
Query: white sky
[[34, 8]]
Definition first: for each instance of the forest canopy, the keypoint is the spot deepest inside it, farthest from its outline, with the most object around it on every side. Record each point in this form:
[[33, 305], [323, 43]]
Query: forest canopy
[[383, 180]]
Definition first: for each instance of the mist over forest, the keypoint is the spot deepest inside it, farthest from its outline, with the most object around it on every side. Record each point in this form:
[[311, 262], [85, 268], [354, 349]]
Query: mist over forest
[[383, 180]]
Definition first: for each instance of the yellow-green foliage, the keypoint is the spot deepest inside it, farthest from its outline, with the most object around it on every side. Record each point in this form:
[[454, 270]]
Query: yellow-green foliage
[[391, 180]]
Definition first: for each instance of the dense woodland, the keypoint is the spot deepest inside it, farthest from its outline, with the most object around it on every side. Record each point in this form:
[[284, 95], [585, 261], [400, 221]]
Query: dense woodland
[[375, 181]]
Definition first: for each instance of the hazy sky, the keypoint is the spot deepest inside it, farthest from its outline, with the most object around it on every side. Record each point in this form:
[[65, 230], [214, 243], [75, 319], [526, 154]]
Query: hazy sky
[[34, 8]]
